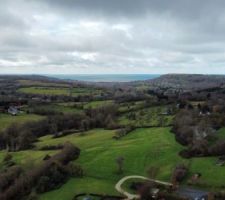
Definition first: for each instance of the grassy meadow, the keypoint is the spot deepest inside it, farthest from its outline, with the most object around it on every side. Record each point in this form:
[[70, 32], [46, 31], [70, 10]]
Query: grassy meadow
[[143, 148], [59, 91], [27, 83], [99, 152], [56, 108], [27, 159], [96, 104], [7, 119], [151, 116]]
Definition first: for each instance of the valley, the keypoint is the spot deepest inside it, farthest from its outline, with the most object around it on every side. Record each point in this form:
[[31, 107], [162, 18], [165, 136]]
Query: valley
[[121, 131]]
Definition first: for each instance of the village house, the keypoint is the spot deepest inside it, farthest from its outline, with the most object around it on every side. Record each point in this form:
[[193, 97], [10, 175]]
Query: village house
[[13, 110]]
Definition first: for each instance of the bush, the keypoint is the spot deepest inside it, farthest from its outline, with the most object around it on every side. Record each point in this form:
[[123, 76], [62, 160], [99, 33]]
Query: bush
[[180, 173], [51, 147], [54, 168], [123, 132], [75, 170], [8, 177]]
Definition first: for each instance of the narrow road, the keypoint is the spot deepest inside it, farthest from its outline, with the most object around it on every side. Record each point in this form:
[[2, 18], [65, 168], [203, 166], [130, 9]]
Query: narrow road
[[192, 193], [135, 196]]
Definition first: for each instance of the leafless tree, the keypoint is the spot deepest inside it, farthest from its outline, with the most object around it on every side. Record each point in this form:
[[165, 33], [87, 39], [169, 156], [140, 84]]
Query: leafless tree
[[120, 162]]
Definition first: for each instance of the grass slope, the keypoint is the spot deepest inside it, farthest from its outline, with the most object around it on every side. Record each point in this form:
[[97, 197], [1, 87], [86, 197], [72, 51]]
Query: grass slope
[[99, 151], [141, 149], [151, 116], [55, 108], [26, 159], [6, 119], [96, 104]]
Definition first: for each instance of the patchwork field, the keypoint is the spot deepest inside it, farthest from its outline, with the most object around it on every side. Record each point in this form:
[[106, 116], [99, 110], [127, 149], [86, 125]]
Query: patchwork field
[[84, 105], [69, 107], [96, 104], [59, 91], [41, 83], [126, 107], [55, 108]]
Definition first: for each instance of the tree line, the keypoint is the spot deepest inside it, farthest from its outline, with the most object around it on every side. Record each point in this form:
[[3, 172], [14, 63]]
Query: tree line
[[15, 184], [21, 136], [196, 128]]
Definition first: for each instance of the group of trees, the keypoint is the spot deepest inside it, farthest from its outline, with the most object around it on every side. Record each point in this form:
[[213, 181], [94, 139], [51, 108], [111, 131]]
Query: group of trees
[[8, 177], [124, 95], [196, 128], [102, 117], [14, 184], [179, 173], [21, 136], [123, 132], [147, 189]]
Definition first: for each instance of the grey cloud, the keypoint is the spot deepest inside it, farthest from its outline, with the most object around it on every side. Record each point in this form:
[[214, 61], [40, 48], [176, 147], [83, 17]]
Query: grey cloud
[[130, 8], [112, 35]]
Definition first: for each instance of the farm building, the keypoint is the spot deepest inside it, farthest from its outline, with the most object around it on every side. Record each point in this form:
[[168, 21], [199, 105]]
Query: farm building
[[13, 110]]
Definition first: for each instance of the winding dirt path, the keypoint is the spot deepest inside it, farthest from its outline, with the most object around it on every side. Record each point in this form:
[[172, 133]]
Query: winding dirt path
[[130, 196]]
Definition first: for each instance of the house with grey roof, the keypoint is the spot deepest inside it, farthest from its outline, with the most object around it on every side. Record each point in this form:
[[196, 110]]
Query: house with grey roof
[[13, 110]]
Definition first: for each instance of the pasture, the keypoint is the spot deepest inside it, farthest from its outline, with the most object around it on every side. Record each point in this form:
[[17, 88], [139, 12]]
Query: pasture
[[59, 91], [99, 151], [141, 149], [151, 116], [7, 119]]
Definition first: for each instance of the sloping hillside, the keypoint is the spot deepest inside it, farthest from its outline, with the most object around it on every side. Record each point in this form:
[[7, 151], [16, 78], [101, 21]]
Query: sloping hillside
[[188, 81]]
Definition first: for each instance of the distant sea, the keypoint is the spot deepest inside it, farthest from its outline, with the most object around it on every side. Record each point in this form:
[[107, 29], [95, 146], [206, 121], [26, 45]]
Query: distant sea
[[105, 77]]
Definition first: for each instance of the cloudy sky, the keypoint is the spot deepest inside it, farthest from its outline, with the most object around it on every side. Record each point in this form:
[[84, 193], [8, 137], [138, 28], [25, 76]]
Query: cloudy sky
[[112, 36]]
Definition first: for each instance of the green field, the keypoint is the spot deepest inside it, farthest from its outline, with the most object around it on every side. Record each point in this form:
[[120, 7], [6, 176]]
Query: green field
[[28, 159], [80, 185], [41, 83], [69, 107], [85, 105], [141, 149], [56, 108], [126, 107], [59, 91], [151, 116], [96, 104], [99, 152], [6, 119]]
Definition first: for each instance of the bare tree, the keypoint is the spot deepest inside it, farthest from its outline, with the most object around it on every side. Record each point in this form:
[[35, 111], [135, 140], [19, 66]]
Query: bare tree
[[120, 162], [152, 172], [145, 191]]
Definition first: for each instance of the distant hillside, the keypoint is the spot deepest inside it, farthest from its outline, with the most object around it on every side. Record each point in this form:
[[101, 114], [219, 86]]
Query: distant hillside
[[188, 81]]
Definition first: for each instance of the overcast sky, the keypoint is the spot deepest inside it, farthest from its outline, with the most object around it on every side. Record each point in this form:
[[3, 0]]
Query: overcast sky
[[112, 36]]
